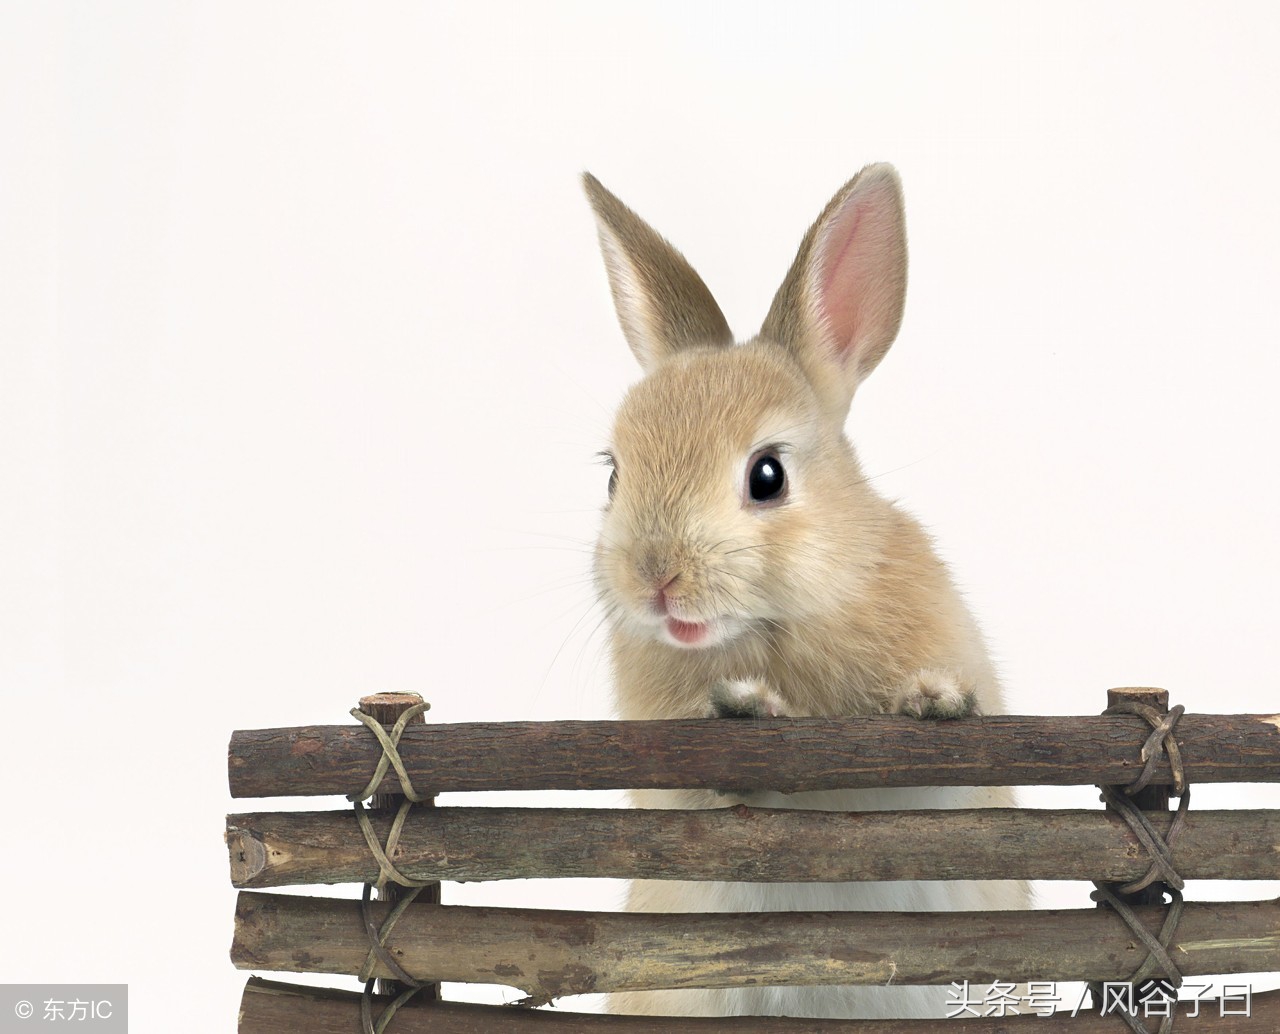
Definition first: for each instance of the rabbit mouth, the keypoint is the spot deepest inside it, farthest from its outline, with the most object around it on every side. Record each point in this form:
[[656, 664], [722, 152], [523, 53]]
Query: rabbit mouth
[[687, 633], [698, 635]]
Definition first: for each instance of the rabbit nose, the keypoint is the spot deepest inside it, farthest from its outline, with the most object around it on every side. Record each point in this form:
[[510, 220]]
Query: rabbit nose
[[660, 602], [654, 569]]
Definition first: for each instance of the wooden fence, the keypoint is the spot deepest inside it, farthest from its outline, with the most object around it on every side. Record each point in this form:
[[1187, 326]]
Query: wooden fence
[[548, 954]]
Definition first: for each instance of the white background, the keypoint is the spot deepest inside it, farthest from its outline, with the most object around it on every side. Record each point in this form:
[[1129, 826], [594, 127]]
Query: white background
[[306, 348]]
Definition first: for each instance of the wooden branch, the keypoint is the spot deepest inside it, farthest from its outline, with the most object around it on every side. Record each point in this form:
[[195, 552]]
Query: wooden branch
[[787, 755], [271, 1007], [548, 954], [278, 849]]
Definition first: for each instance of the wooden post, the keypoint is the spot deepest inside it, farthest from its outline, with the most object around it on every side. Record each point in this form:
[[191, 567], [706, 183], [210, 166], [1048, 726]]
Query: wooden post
[[1153, 797], [386, 709]]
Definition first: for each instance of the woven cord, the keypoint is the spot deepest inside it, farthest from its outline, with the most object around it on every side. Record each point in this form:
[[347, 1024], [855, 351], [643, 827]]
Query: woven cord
[[387, 871], [390, 753], [378, 953], [371, 1025], [1158, 963], [382, 853]]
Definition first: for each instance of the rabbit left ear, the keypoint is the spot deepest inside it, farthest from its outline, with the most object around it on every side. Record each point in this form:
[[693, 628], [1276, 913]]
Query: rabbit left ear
[[662, 304], [840, 306]]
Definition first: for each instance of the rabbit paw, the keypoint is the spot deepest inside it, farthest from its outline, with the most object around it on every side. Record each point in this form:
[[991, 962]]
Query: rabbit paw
[[745, 698], [934, 693]]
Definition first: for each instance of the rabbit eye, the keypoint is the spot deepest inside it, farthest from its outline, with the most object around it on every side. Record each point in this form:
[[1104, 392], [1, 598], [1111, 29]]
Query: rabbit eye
[[766, 480], [606, 457]]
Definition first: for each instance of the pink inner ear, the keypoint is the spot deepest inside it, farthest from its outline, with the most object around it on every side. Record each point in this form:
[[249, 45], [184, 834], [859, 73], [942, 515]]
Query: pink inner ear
[[860, 273]]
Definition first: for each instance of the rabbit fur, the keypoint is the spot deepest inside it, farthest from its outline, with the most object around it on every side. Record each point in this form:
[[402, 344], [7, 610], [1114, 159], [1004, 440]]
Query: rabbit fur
[[825, 599]]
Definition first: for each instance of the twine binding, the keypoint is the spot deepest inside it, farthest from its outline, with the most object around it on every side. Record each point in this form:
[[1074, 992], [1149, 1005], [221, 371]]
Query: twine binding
[[390, 753], [387, 871], [1159, 964]]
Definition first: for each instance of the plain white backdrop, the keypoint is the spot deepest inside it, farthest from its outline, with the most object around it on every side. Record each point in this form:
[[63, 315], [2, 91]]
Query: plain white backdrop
[[306, 349]]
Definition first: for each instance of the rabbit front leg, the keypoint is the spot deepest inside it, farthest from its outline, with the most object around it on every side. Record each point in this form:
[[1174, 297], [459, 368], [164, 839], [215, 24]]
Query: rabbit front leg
[[929, 694], [744, 698], [934, 694]]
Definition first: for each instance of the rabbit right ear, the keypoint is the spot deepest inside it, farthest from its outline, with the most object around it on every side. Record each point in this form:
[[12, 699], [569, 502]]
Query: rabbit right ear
[[839, 308], [662, 304]]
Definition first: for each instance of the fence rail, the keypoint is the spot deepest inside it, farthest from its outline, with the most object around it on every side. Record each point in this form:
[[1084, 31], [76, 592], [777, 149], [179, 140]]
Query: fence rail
[[270, 1007], [280, 849], [787, 755], [550, 953]]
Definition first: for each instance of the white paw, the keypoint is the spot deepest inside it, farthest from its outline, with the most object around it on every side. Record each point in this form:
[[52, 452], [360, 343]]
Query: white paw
[[934, 693], [745, 698]]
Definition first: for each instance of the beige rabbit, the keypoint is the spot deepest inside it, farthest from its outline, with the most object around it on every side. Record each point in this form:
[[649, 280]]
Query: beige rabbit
[[748, 569]]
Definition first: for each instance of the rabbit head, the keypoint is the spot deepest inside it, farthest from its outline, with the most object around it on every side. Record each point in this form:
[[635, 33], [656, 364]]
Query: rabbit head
[[736, 502]]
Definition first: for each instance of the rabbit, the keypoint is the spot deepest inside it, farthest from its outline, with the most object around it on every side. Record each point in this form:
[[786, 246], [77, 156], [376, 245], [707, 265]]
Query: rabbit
[[747, 568]]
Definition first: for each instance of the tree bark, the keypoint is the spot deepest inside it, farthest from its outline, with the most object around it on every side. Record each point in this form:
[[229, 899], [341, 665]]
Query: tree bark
[[271, 1007], [548, 954], [788, 754], [278, 849]]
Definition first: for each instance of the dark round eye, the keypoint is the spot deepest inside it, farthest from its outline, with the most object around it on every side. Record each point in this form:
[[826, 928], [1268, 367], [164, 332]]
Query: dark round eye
[[613, 481], [767, 481]]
